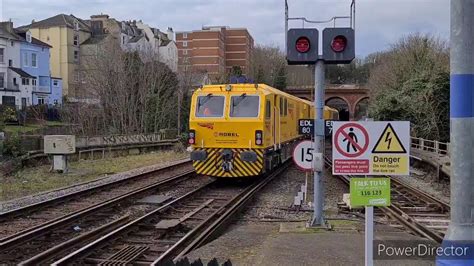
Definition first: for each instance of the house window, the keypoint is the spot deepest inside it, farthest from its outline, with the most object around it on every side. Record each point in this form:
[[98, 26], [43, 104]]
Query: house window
[[12, 43], [33, 60], [9, 100], [76, 25], [185, 35], [76, 40], [55, 82], [40, 101], [76, 56], [25, 81], [33, 82], [10, 63], [2, 80], [185, 44], [28, 36], [185, 52], [2, 52], [25, 59], [14, 82]]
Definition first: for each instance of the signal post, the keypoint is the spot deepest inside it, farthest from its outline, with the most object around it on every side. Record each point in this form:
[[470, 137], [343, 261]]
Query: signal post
[[302, 48]]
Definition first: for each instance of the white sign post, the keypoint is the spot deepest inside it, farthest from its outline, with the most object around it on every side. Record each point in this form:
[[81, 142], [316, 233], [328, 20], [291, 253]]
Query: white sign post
[[303, 155], [371, 148]]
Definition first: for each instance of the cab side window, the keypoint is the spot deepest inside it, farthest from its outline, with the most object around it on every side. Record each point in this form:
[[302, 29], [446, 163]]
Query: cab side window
[[281, 107], [268, 110]]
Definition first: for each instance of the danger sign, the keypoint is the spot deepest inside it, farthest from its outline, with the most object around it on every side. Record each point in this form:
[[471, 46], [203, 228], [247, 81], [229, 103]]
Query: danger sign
[[355, 137], [371, 148]]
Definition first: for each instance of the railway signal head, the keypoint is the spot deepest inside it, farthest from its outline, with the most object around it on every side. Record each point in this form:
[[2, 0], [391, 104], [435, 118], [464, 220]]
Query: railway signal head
[[338, 45], [302, 46]]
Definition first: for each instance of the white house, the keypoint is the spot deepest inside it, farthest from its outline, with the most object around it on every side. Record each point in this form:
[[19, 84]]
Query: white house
[[162, 45], [21, 86], [9, 58]]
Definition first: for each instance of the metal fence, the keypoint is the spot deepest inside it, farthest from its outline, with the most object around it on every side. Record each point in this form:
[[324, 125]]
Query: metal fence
[[113, 140], [442, 148]]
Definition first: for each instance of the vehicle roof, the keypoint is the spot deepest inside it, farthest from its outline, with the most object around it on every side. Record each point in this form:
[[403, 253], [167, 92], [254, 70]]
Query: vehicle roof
[[245, 87]]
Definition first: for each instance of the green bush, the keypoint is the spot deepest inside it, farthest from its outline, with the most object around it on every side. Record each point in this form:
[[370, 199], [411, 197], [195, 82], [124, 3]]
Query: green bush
[[12, 146], [8, 114], [411, 82]]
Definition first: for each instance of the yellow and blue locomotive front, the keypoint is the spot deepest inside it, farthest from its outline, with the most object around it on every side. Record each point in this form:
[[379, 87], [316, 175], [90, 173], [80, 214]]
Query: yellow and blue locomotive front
[[227, 130]]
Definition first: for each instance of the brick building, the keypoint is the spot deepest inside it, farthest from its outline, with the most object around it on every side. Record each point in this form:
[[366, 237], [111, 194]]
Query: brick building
[[214, 50]]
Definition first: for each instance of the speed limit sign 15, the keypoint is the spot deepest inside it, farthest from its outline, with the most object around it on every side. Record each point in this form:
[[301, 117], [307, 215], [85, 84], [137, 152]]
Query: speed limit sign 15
[[305, 157]]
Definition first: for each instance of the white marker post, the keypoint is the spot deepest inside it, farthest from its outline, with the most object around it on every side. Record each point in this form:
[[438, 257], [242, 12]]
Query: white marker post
[[369, 235]]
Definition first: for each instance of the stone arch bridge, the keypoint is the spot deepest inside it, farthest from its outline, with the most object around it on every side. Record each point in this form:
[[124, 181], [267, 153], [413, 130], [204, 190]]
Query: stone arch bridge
[[351, 100]]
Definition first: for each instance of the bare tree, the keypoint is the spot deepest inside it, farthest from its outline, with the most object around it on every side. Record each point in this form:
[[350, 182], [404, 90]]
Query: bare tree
[[126, 93], [267, 62]]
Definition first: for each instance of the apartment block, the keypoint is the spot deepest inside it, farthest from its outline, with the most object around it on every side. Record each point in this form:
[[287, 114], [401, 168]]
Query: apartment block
[[214, 50]]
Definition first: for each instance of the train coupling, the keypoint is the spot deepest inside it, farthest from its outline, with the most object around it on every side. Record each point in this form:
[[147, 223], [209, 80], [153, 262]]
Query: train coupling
[[227, 157]]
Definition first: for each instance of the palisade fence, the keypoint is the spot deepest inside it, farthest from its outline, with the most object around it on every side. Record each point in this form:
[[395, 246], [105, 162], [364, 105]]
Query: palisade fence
[[114, 140], [441, 148], [33, 144]]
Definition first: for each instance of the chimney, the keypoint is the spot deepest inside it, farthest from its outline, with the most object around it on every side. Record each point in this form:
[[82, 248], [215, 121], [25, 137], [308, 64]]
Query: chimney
[[7, 26], [101, 17], [170, 34]]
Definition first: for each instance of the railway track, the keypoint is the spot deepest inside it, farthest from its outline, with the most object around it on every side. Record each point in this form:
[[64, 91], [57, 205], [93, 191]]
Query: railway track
[[413, 209], [87, 215], [172, 230], [24, 217]]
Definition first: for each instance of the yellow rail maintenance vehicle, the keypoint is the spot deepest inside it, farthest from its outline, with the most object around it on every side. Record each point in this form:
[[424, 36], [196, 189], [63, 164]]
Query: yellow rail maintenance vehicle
[[242, 130]]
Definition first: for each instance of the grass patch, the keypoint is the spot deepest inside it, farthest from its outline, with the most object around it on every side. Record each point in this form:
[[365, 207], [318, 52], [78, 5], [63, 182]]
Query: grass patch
[[55, 123], [33, 180], [30, 127], [21, 129]]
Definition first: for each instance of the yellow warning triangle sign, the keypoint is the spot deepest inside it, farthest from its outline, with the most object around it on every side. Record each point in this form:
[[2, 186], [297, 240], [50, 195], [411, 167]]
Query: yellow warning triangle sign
[[389, 142]]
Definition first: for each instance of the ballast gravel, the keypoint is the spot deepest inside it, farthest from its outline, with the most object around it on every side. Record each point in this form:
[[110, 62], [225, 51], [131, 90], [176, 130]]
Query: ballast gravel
[[43, 196]]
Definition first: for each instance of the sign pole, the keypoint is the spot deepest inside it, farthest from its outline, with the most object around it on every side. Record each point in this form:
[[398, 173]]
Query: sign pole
[[369, 235], [318, 141]]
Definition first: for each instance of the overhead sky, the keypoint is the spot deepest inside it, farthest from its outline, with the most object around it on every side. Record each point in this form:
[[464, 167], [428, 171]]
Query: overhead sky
[[378, 22]]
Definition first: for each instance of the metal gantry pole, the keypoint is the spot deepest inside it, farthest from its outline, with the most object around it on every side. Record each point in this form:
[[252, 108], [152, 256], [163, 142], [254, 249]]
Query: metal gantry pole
[[461, 226], [318, 198]]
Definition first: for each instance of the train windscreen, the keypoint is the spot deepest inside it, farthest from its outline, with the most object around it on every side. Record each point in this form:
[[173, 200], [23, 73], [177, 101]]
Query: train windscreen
[[210, 106], [244, 106]]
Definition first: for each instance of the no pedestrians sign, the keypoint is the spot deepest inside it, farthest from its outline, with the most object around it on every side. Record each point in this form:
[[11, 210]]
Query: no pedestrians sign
[[371, 148]]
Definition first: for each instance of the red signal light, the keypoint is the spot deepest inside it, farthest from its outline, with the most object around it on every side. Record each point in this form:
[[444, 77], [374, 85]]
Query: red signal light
[[339, 44], [302, 45], [192, 137]]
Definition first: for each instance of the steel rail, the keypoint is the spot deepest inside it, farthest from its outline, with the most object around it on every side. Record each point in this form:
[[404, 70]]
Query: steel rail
[[67, 197], [29, 234], [76, 255], [42, 257], [218, 220], [196, 235]]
